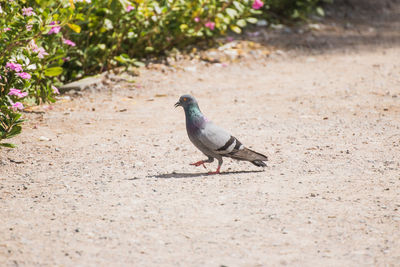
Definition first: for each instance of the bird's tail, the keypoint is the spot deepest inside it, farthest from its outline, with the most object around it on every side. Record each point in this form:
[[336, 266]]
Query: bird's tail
[[259, 163], [250, 155]]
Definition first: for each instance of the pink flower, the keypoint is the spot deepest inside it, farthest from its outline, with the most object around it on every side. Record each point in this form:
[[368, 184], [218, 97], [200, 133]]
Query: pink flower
[[55, 90], [66, 59], [32, 46], [55, 30], [28, 11], [6, 29], [17, 93], [28, 27], [257, 4], [24, 75], [17, 105], [210, 25], [14, 66], [69, 42], [129, 8], [196, 19], [42, 52]]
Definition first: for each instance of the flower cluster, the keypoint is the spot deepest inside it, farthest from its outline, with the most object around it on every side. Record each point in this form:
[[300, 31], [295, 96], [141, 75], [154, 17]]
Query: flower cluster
[[68, 42], [39, 50], [31, 58], [55, 29], [17, 106], [257, 4], [28, 11], [210, 25], [17, 68], [129, 8], [17, 93], [14, 66]]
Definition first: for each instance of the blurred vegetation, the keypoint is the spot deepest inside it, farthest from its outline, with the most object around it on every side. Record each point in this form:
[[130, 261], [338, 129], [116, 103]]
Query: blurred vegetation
[[290, 11], [119, 32]]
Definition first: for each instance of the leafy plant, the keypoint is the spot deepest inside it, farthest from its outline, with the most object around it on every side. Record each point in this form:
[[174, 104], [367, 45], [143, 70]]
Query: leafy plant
[[32, 49], [291, 10], [116, 32], [10, 125]]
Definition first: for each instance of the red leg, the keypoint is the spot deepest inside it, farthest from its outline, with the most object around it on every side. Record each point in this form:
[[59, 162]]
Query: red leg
[[216, 172], [201, 162]]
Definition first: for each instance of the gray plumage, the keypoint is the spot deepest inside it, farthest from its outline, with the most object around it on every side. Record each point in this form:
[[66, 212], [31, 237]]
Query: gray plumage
[[212, 140]]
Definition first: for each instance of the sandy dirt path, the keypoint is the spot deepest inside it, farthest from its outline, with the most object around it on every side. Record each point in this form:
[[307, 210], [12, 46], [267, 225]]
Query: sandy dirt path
[[110, 182]]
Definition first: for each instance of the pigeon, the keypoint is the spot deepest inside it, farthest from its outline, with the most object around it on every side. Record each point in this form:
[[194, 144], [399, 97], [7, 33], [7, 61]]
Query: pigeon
[[212, 140]]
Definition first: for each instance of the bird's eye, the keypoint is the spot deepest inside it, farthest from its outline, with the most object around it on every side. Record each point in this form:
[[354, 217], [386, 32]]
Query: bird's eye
[[184, 99]]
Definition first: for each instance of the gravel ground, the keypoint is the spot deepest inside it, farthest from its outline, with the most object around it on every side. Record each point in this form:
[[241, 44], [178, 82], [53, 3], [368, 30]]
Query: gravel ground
[[103, 178]]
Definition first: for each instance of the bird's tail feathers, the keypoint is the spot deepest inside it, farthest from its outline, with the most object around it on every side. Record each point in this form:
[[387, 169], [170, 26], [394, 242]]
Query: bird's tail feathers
[[259, 163], [250, 155]]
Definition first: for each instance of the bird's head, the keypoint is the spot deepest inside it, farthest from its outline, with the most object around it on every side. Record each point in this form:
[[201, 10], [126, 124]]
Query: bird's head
[[186, 101]]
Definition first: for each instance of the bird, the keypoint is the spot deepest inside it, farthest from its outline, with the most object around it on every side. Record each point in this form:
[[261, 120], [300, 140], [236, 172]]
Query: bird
[[212, 140]]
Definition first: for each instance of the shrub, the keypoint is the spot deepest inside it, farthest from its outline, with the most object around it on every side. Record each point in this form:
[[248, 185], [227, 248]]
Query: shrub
[[291, 10], [120, 31], [117, 32], [31, 55]]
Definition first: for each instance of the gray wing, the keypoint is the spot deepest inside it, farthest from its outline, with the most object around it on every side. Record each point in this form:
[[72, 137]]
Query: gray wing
[[218, 141]]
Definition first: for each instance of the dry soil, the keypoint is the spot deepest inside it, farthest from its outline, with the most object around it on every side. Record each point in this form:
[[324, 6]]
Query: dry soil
[[103, 179]]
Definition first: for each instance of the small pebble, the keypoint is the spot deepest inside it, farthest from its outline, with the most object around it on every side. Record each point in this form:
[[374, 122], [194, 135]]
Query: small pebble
[[44, 138]]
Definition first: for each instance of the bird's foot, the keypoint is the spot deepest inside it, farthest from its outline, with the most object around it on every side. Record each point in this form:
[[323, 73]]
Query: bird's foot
[[216, 172], [201, 162]]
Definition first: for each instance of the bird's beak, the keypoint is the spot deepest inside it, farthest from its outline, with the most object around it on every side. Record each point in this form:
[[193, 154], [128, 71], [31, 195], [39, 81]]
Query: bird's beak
[[178, 104]]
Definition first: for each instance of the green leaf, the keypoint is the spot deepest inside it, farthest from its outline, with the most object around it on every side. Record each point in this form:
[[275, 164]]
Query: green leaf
[[9, 145], [124, 3], [241, 23], [139, 64], [320, 11], [183, 27], [120, 59], [256, 11], [252, 20], [235, 29], [51, 72], [231, 12], [108, 24], [123, 59], [157, 8], [74, 27], [225, 19], [14, 131], [295, 14], [80, 16], [238, 6], [17, 116]]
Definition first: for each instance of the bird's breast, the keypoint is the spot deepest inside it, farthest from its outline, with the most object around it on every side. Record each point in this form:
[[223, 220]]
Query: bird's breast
[[192, 128], [195, 124]]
